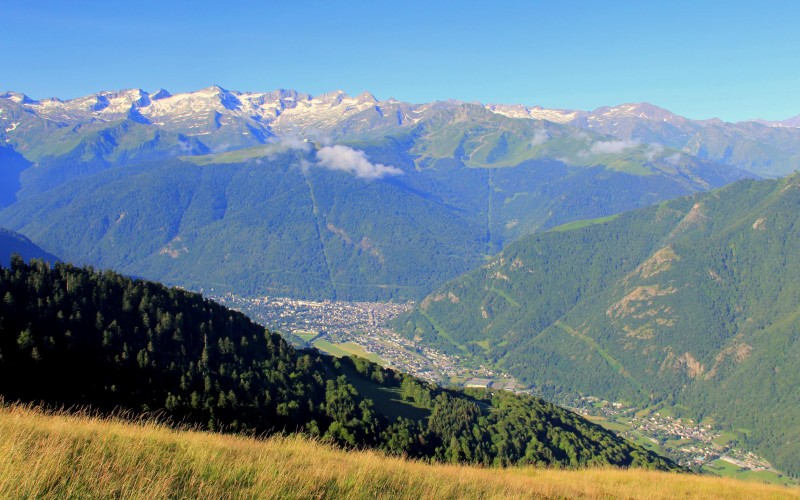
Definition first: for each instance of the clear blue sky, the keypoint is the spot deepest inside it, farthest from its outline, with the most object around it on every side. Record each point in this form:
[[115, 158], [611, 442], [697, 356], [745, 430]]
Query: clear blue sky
[[730, 59]]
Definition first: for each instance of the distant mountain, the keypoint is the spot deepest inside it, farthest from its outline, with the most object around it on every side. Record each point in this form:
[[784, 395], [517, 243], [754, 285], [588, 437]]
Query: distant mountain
[[768, 149], [793, 122], [282, 193], [73, 336], [14, 243], [693, 302], [643, 121]]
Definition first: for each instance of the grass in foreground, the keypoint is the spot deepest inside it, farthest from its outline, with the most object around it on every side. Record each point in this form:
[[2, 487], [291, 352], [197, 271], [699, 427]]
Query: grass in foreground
[[61, 456]]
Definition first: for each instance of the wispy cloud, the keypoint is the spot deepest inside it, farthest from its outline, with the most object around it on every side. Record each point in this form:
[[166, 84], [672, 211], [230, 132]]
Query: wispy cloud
[[653, 149], [581, 136], [539, 138], [613, 147], [354, 161], [289, 142], [674, 159], [280, 145]]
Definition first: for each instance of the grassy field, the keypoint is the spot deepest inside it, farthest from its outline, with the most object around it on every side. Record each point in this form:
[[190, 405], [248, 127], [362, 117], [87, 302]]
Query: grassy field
[[387, 399], [610, 424], [347, 349], [727, 469], [236, 156], [578, 224], [60, 456], [307, 336], [725, 438]]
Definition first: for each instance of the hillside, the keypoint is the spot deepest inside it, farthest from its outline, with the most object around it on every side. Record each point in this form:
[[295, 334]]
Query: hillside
[[14, 243], [285, 194], [692, 302], [57, 455], [71, 336]]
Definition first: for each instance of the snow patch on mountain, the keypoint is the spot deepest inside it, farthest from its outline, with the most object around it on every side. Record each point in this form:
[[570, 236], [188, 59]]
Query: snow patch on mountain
[[535, 112], [793, 122]]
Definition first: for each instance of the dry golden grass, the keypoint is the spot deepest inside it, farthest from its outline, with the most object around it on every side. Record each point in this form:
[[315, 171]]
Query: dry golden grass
[[48, 455]]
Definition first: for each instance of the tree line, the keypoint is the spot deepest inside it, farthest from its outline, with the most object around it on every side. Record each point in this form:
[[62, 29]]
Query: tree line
[[75, 336]]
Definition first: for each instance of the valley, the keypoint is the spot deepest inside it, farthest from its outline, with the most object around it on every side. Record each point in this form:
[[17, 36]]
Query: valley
[[331, 326], [701, 446], [364, 329]]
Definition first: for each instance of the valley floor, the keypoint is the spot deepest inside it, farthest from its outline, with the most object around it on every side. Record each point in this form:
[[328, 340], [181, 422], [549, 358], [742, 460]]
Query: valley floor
[[61, 456], [342, 328], [356, 328], [698, 445]]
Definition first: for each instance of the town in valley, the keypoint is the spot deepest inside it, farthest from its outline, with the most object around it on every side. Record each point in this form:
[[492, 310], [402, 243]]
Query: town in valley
[[361, 328]]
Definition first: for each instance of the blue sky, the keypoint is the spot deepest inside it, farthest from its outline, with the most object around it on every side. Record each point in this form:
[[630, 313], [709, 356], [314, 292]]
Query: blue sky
[[730, 59]]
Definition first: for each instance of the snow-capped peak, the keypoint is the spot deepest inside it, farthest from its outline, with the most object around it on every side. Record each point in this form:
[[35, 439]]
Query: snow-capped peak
[[643, 110], [535, 112], [366, 97], [17, 97]]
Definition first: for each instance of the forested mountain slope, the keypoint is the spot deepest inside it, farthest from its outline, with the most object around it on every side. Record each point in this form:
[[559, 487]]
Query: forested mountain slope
[[14, 243], [71, 336], [330, 197], [694, 301]]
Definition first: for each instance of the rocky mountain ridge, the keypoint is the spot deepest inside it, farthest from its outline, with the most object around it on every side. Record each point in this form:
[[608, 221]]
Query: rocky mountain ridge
[[224, 120]]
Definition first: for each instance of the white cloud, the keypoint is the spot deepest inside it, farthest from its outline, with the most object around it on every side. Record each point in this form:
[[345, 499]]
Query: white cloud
[[581, 136], [354, 161], [654, 149], [674, 159], [540, 137], [279, 145], [290, 142], [613, 147]]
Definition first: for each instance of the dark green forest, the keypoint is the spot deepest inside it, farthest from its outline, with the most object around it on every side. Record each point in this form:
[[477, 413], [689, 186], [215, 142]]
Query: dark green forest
[[692, 302], [73, 336]]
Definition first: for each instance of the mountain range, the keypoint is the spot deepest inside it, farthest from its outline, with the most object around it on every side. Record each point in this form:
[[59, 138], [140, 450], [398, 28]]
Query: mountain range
[[222, 120], [692, 303], [283, 193]]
